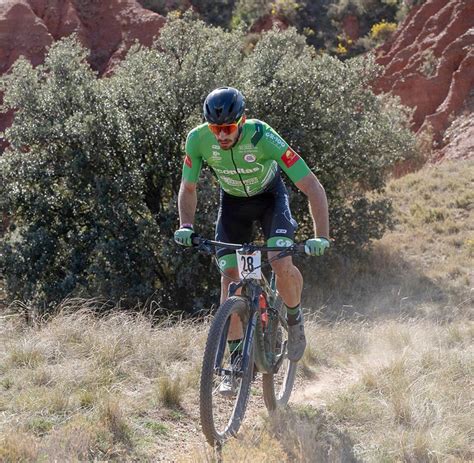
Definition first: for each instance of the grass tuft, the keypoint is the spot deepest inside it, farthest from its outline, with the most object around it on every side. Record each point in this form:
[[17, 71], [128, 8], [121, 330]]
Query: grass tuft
[[17, 446], [157, 428], [169, 391], [112, 417]]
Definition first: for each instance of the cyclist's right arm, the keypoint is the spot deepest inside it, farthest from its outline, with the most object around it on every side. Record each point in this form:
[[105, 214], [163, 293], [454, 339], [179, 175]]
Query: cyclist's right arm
[[187, 202], [187, 197]]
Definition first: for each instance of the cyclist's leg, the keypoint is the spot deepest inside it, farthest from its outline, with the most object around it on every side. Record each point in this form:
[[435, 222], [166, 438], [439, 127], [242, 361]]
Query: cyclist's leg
[[233, 226], [279, 229], [289, 280]]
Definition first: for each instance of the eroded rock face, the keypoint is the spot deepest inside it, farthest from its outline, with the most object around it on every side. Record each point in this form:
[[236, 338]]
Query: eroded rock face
[[267, 22], [429, 62], [351, 27], [458, 139], [107, 27]]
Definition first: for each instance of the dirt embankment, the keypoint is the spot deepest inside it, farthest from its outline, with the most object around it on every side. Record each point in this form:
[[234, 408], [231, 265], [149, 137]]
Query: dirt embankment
[[108, 28], [429, 63]]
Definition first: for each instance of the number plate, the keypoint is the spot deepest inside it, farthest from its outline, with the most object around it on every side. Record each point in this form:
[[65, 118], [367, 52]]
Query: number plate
[[249, 264]]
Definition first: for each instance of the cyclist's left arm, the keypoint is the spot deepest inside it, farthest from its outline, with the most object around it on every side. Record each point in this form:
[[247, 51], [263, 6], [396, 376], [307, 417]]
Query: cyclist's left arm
[[318, 203], [300, 174]]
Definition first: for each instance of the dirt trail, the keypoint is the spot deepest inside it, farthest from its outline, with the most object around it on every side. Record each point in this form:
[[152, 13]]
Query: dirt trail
[[328, 381], [185, 442]]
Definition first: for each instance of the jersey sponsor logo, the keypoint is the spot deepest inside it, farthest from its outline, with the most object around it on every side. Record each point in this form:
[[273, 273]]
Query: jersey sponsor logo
[[251, 181], [231, 181], [280, 230], [240, 170], [215, 147], [283, 243], [188, 161], [249, 157], [216, 155], [289, 157], [275, 139]]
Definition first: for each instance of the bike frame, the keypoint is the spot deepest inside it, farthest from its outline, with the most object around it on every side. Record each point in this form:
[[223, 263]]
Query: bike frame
[[251, 290]]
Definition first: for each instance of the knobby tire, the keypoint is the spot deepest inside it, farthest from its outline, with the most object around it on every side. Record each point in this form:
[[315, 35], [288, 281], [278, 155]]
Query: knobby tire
[[276, 394], [208, 400]]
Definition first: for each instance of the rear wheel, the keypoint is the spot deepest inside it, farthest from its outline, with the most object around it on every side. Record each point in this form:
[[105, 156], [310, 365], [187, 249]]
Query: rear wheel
[[222, 415], [277, 387]]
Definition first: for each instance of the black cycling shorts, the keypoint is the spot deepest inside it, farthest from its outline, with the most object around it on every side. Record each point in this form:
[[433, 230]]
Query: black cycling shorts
[[271, 209]]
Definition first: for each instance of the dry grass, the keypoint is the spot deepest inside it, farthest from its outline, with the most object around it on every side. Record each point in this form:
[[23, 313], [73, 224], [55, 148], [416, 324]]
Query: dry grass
[[404, 394], [170, 391], [423, 267], [81, 387], [114, 389], [411, 402], [435, 208]]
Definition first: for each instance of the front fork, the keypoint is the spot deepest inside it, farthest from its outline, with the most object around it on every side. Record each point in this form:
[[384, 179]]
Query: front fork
[[263, 352]]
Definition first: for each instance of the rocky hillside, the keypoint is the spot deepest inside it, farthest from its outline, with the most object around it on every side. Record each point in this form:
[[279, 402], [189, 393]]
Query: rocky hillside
[[429, 62], [108, 28]]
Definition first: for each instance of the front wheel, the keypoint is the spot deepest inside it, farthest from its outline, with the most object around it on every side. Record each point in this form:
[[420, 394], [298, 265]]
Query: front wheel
[[277, 386], [222, 414]]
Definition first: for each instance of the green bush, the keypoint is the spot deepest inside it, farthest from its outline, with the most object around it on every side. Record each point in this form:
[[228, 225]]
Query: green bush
[[215, 12], [92, 173], [247, 12], [162, 7], [325, 109]]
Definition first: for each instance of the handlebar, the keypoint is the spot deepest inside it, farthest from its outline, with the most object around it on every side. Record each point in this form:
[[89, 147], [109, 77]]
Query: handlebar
[[209, 245]]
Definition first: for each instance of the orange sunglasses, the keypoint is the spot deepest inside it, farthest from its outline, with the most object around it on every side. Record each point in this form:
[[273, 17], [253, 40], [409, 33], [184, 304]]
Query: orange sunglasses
[[228, 129]]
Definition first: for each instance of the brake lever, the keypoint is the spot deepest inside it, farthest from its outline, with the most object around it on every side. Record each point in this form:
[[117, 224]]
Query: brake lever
[[201, 244]]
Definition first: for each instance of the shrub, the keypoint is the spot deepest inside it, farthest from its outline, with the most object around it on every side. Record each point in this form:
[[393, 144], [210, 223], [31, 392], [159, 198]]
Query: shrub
[[430, 63], [247, 12], [94, 165], [162, 7], [382, 31], [215, 12]]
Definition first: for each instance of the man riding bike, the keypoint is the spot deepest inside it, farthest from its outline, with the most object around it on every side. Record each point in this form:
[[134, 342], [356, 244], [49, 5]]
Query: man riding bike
[[247, 156]]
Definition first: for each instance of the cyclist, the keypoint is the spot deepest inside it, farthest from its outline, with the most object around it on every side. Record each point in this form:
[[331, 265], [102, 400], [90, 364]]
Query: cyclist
[[247, 156]]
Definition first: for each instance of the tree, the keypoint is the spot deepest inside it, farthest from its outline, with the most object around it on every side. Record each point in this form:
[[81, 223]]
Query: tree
[[93, 170], [325, 109]]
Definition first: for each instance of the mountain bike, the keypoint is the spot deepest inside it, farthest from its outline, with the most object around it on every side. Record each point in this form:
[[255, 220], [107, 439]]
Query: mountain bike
[[256, 303]]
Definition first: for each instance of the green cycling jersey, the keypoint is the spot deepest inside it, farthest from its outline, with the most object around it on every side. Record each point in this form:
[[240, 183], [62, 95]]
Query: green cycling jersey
[[249, 166]]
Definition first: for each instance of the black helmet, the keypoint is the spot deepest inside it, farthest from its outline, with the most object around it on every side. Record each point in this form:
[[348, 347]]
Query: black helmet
[[224, 105]]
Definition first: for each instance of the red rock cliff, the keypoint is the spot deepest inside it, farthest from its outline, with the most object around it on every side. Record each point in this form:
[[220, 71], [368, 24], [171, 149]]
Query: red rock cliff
[[429, 62], [107, 27]]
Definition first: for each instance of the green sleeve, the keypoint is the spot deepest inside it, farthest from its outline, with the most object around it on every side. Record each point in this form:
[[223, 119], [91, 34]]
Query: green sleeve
[[289, 161], [193, 159]]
